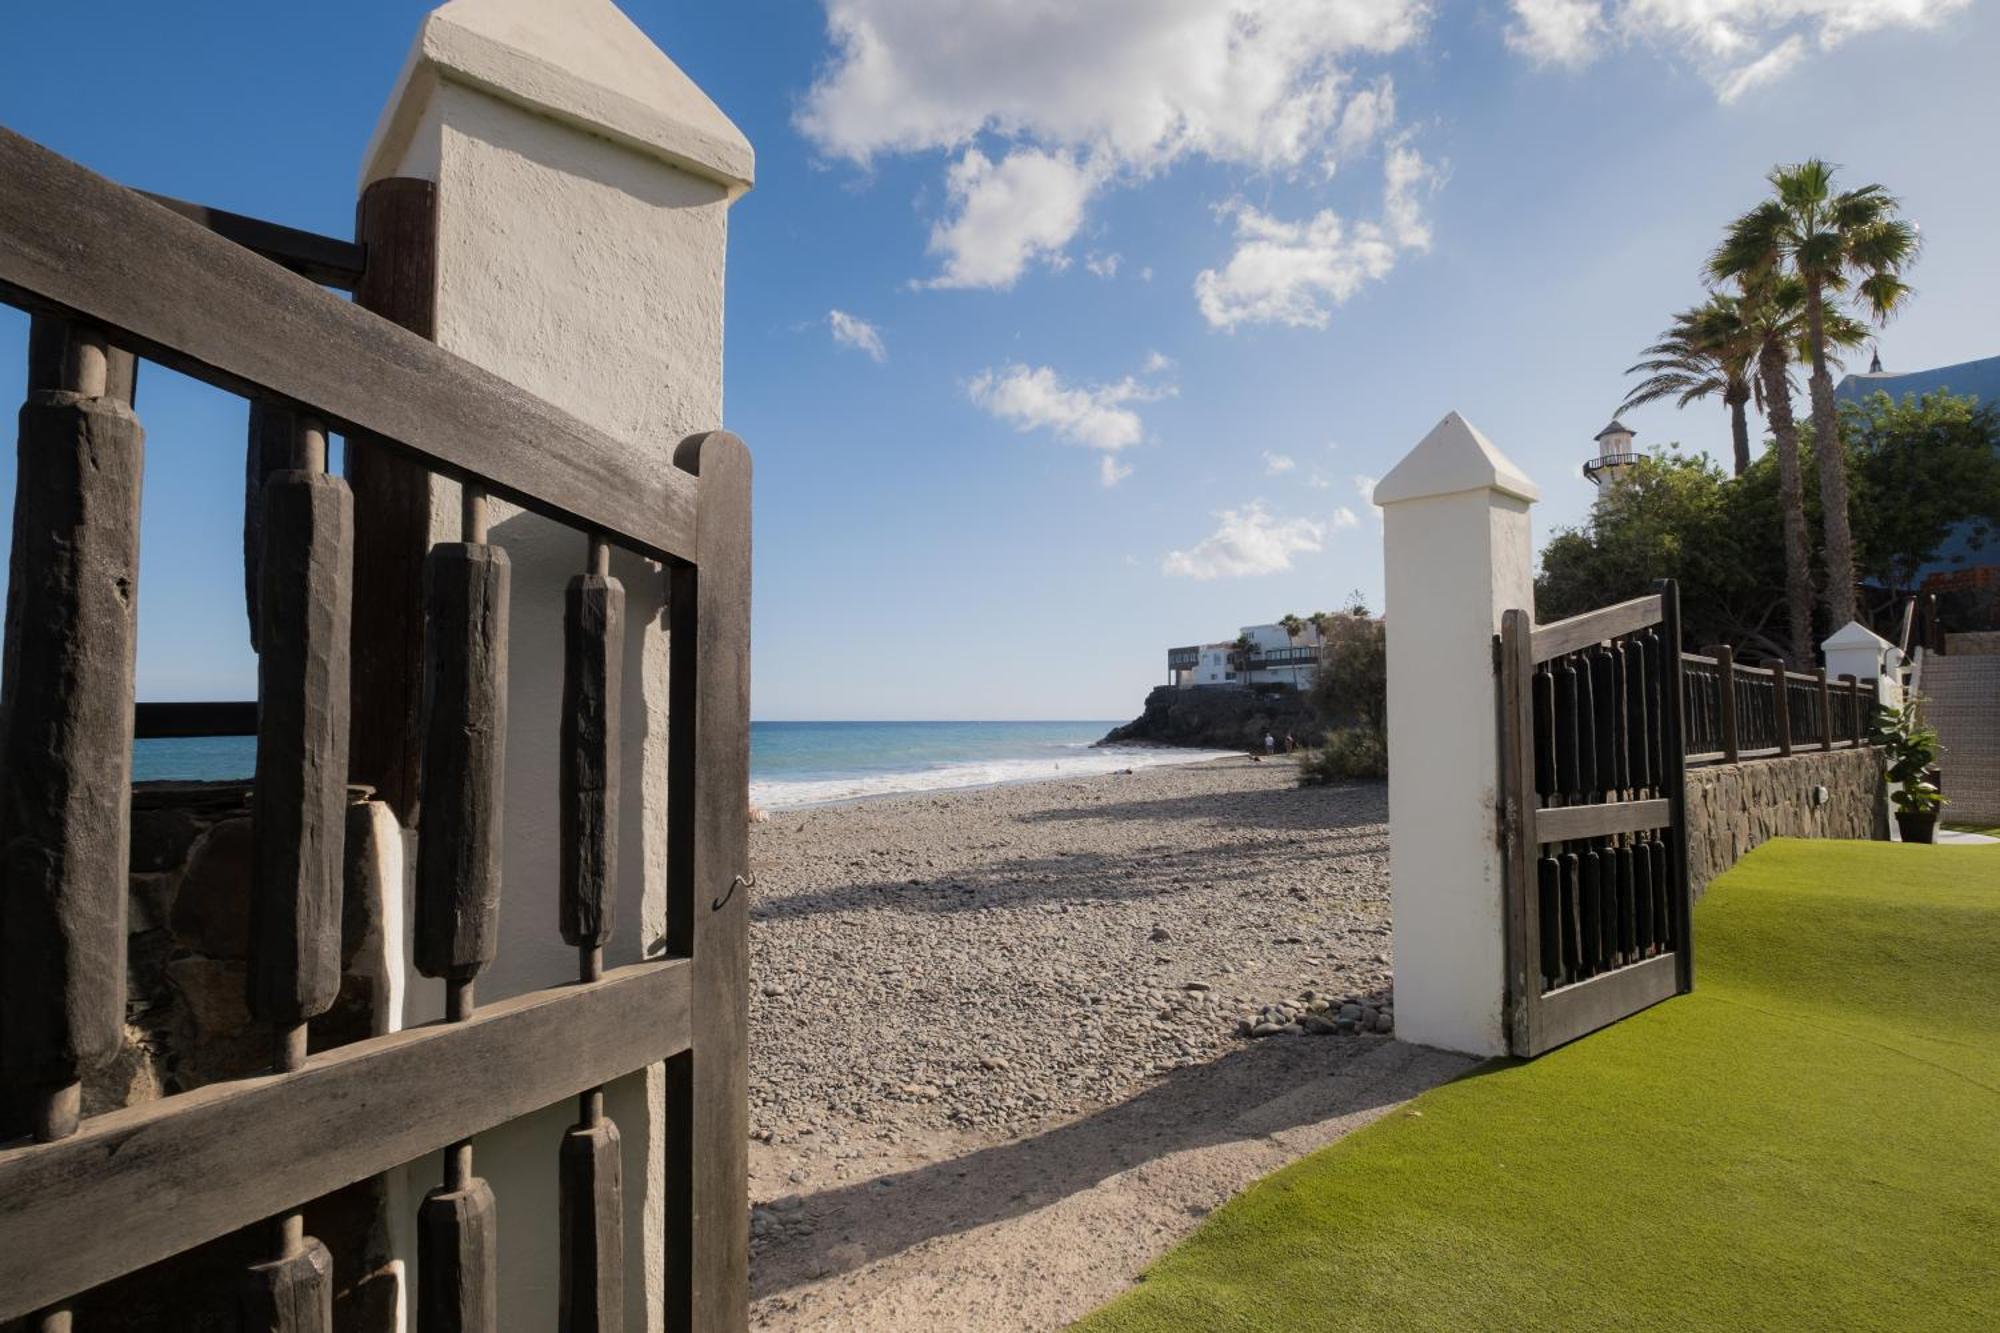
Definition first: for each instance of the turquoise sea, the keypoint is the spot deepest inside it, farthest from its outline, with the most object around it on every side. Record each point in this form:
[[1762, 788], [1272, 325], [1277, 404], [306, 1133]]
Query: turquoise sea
[[811, 763]]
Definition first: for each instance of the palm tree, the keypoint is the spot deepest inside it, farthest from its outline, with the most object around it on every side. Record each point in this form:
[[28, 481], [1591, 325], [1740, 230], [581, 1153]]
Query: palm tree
[[1243, 648], [1853, 244], [1293, 627], [1707, 350], [1774, 314]]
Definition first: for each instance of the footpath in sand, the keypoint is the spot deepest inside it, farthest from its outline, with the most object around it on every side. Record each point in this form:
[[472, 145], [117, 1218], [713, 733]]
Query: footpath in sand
[[994, 1054]]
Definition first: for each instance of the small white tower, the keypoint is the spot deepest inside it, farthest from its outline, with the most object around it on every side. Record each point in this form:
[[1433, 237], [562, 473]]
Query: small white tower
[[1614, 454]]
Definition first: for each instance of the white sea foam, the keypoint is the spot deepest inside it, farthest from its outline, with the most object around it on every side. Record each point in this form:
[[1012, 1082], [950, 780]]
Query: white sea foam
[[792, 793]]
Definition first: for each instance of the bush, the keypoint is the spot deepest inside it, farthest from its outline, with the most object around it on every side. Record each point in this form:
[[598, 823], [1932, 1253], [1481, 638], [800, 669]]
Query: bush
[[1355, 752]]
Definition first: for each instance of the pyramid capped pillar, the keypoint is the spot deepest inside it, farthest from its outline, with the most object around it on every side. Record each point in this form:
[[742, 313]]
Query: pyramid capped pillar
[[1458, 553], [580, 186]]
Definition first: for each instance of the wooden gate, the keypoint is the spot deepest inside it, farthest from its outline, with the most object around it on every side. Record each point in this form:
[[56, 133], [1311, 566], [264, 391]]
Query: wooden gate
[[1595, 830], [110, 276]]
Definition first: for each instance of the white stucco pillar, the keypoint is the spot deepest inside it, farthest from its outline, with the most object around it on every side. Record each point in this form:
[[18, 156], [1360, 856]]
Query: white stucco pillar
[[1458, 553], [583, 186]]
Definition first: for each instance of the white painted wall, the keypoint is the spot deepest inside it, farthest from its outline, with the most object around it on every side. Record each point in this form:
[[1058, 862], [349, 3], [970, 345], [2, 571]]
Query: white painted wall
[[1458, 553], [583, 189]]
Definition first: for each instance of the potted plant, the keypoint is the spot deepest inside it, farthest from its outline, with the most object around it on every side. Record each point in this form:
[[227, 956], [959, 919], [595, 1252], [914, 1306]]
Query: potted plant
[[1912, 751]]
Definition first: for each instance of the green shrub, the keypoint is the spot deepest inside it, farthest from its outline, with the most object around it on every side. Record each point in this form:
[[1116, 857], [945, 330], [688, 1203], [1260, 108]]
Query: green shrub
[[1355, 752]]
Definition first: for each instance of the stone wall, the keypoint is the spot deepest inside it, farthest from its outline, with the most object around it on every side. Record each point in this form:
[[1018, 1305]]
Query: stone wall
[[188, 1024], [1732, 808]]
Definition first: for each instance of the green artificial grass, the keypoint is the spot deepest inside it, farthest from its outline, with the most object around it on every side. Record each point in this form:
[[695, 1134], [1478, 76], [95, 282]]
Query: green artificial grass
[[1811, 1140]]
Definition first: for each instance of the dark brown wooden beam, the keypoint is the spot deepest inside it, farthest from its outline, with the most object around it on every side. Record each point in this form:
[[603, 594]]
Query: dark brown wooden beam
[[75, 244], [327, 260], [152, 1180]]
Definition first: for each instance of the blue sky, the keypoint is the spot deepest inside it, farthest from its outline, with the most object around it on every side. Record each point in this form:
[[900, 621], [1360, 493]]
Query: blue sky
[[1232, 276]]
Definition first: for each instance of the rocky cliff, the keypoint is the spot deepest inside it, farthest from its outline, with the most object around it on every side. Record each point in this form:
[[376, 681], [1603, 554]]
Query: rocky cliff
[[1222, 719]]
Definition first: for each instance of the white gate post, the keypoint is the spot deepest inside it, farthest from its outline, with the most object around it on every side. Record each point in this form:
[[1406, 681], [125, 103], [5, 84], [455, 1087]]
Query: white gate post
[[583, 191], [1458, 553]]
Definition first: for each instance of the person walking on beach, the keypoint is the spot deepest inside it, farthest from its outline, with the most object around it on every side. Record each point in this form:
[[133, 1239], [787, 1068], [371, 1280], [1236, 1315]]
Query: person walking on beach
[[1270, 744], [1291, 743]]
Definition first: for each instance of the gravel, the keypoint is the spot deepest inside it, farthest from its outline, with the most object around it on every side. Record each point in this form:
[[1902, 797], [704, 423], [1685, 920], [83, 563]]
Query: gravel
[[994, 959]]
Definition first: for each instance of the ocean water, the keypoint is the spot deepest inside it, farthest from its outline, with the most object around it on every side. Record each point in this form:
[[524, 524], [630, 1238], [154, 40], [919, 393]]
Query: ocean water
[[795, 764]]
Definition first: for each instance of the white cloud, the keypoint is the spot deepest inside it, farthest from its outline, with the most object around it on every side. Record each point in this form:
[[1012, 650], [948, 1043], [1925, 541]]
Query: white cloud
[[1737, 44], [851, 331], [1344, 517], [1364, 486], [1245, 541], [1767, 68], [1025, 207], [1293, 273], [1156, 363], [1095, 416], [1557, 32], [1318, 481], [1116, 90], [1276, 464], [1103, 265]]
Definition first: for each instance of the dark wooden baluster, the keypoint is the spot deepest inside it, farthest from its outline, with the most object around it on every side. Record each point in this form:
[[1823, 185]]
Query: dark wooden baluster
[[1545, 733], [1627, 889], [1656, 676], [458, 883], [66, 726], [1633, 653], [1825, 709], [1586, 728], [1725, 671], [273, 447], [1568, 776], [1781, 704], [592, 1288], [1643, 911], [299, 810], [1548, 891], [1572, 918], [1604, 716], [1854, 711], [1663, 907], [1592, 891]]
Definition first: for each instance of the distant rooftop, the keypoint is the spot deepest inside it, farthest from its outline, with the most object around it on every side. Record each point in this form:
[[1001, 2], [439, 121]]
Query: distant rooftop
[[1981, 379], [1616, 427]]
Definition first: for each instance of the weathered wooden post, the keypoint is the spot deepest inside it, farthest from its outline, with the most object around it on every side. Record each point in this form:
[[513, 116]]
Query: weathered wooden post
[[582, 188], [1725, 675], [1825, 708], [1781, 703], [458, 882], [66, 725], [592, 1289], [299, 806], [1458, 553]]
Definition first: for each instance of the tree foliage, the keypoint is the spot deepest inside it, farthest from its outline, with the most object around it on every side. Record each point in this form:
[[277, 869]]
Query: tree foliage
[[1351, 687], [1917, 470]]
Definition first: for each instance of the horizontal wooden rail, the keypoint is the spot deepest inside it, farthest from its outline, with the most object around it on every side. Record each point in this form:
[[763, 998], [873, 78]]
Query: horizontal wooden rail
[[152, 1180], [1607, 997], [76, 245], [1566, 636], [327, 260], [203, 717], [1563, 822]]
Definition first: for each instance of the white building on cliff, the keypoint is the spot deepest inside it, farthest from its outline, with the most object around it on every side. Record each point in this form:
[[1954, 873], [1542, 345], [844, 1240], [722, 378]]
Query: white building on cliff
[[1262, 655]]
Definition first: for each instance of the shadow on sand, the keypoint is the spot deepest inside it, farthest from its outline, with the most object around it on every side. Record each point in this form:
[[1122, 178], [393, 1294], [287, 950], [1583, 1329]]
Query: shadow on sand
[[1256, 1092]]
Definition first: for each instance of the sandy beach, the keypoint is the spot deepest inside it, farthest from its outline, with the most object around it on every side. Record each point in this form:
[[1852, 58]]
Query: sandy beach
[[996, 1032]]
